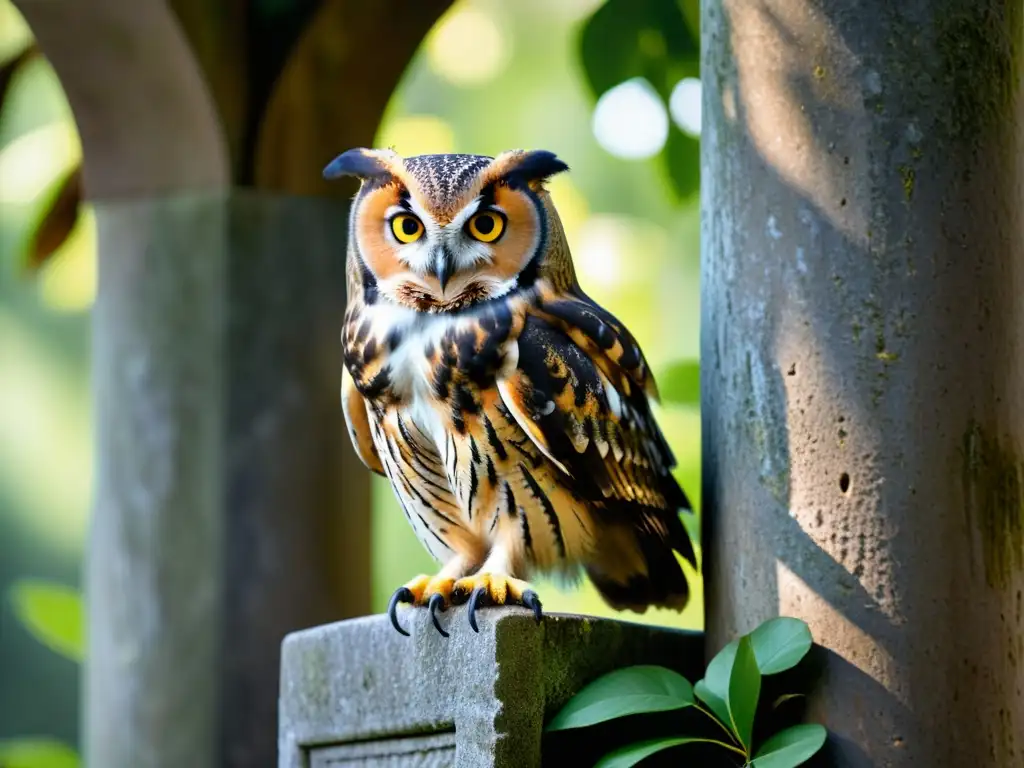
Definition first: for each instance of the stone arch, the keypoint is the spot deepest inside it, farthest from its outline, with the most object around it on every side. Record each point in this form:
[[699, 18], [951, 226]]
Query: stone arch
[[146, 117]]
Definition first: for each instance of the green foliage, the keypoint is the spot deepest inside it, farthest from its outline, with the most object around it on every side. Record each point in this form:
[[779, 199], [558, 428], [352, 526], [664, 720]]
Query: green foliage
[[744, 691], [780, 644], [632, 754], [790, 747], [628, 691], [53, 614], [651, 39], [728, 696], [36, 753], [680, 383], [713, 690], [682, 162], [659, 41]]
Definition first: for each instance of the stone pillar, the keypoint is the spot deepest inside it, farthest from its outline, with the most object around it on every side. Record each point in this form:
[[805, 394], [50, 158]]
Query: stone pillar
[[357, 693], [230, 508], [863, 359], [155, 560]]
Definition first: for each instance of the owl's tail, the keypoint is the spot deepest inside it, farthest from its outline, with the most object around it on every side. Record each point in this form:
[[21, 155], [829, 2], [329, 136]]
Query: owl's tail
[[636, 566]]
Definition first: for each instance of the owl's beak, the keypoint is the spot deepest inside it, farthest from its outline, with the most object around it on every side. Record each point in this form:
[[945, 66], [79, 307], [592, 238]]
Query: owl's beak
[[444, 267]]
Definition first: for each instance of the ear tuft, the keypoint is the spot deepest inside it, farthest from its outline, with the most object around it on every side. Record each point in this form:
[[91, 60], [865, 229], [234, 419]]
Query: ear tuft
[[362, 163], [536, 166]]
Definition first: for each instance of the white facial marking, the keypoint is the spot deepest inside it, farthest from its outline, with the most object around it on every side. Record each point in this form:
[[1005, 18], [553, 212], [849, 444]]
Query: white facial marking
[[420, 256]]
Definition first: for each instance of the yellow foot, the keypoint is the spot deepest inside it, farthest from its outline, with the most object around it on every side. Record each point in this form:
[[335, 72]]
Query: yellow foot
[[431, 591], [484, 589]]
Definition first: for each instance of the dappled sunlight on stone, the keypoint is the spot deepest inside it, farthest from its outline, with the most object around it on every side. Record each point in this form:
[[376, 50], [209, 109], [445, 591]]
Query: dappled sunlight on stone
[[847, 639], [828, 429], [778, 44]]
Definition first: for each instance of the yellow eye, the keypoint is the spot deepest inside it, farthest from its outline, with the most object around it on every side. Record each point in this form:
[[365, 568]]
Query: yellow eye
[[486, 226], [407, 228]]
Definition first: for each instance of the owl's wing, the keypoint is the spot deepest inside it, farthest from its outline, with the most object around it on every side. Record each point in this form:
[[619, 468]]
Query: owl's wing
[[605, 340], [358, 421], [580, 391]]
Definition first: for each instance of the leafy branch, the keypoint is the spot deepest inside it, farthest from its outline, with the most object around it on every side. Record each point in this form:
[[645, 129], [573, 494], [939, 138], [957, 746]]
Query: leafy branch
[[659, 41], [728, 696]]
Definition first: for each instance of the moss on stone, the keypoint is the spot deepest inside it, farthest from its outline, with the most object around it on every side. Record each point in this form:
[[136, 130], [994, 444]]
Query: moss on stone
[[907, 178], [993, 487], [980, 54]]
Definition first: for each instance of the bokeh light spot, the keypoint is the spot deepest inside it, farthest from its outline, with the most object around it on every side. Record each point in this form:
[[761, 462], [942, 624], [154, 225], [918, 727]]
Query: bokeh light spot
[[572, 206], [417, 135], [30, 163], [468, 48], [685, 105], [630, 120]]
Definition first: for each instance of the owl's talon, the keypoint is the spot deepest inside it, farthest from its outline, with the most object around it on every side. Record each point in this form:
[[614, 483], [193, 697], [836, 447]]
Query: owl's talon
[[437, 601], [486, 589], [401, 595], [530, 600], [474, 599]]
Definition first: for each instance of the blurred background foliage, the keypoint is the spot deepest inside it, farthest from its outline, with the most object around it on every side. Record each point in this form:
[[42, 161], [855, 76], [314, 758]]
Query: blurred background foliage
[[611, 87]]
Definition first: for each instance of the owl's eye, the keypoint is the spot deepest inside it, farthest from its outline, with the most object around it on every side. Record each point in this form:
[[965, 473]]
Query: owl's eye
[[407, 228], [486, 226]]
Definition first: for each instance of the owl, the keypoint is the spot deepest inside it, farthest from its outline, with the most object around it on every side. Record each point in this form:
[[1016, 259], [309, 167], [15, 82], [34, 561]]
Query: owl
[[509, 411]]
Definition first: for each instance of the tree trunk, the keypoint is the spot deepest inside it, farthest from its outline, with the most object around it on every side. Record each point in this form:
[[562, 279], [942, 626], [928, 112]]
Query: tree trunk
[[863, 359]]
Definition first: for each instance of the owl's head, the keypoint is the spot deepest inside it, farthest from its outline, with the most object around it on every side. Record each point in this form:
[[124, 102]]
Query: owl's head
[[440, 233]]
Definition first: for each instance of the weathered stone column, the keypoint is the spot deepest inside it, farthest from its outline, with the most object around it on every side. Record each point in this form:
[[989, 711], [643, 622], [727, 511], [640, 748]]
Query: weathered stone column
[[155, 560], [230, 509], [863, 359]]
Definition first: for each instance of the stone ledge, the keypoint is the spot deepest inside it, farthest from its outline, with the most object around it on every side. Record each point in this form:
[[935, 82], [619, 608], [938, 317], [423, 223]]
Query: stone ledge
[[358, 693]]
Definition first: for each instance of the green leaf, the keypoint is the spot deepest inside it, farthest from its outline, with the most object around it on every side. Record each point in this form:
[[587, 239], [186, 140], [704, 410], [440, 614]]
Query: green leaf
[[680, 383], [36, 753], [624, 757], [624, 39], [780, 644], [791, 747], [627, 691], [53, 614], [682, 163], [744, 690], [713, 690], [714, 702]]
